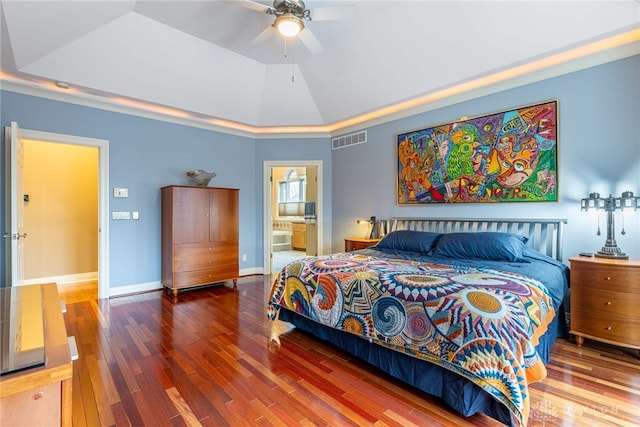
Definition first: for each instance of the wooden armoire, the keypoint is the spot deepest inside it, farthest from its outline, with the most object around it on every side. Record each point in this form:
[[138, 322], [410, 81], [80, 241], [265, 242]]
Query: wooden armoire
[[199, 236]]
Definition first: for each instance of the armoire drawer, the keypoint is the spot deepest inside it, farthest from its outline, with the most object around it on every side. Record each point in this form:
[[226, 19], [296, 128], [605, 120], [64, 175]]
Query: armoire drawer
[[197, 256], [202, 277]]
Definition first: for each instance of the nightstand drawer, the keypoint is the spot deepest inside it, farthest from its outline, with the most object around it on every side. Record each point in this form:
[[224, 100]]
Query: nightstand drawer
[[612, 329], [605, 300], [606, 277], [354, 243], [607, 303]]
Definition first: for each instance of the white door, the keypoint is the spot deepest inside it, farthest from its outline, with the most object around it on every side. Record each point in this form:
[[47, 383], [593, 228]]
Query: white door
[[14, 234], [15, 204]]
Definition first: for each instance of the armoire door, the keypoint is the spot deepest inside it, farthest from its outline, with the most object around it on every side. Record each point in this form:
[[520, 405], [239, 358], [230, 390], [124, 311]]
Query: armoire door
[[191, 214], [224, 215]]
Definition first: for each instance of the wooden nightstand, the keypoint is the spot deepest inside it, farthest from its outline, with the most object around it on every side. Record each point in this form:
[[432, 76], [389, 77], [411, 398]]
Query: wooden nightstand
[[355, 243], [605, 296]]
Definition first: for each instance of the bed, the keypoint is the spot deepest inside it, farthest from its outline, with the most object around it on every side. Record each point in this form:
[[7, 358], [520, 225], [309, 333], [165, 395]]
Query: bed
[[463, 309]]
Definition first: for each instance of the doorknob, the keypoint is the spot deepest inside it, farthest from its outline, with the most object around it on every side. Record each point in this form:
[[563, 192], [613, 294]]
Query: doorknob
[[14, 236]]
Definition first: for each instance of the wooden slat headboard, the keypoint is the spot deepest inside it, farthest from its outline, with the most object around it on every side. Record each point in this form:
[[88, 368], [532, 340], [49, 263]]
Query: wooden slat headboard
[[545, 235]]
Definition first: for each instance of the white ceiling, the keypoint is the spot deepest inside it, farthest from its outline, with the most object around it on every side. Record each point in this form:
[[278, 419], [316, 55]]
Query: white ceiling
[[201, 59]]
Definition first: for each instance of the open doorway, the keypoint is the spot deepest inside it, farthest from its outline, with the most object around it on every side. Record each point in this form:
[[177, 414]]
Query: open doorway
[[51, 140], [288, 225], [60, 210], [292, 202]]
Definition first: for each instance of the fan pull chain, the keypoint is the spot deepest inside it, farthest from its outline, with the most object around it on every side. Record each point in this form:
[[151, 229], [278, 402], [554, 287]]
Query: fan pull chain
[[292, 63]]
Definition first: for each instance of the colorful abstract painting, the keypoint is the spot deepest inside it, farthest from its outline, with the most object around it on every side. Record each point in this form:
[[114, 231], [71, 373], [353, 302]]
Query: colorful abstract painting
[[510, 156]]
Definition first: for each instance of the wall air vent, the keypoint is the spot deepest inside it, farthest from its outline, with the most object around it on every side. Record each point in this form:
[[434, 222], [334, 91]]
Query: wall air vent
[[350, 139]]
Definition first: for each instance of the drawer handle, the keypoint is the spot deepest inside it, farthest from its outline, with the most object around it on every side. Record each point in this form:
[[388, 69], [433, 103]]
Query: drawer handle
[[39, 395], [608, 278], [608, 303], [608, 328]]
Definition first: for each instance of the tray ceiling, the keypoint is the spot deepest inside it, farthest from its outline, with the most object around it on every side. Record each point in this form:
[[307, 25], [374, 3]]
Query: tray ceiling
[[201, 59]]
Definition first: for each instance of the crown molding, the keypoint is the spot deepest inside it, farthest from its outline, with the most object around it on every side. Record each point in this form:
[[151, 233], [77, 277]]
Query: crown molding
[[612, 48]]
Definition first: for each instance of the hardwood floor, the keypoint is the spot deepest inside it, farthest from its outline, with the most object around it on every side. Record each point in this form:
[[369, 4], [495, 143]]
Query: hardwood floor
[[77, 292], [205, 360]]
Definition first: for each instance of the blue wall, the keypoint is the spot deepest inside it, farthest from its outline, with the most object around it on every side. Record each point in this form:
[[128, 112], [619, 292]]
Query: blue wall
[[598, 143], [145, 155], [599, 150]]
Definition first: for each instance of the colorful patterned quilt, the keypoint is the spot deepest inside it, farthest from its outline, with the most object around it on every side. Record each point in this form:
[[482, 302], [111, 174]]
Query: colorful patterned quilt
[[482, 324]]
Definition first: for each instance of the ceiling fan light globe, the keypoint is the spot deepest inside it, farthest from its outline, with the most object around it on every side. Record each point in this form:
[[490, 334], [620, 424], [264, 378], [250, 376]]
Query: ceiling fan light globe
[[289, 25]]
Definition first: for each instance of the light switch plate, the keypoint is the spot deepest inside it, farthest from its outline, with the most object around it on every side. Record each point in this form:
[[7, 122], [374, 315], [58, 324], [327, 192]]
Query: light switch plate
[[120, 192], [120, 215]]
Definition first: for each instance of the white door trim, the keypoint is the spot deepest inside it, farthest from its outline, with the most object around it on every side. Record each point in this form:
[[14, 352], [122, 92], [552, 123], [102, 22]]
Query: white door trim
[[14, 221], [103, 194], [266, 191]]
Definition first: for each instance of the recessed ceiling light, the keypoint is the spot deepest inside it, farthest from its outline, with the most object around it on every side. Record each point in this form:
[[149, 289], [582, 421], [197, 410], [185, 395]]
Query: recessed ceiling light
[[62, 85]]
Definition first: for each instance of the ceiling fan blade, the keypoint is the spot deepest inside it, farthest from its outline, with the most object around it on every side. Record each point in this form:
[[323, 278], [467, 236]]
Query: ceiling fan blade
[[248, 4], [263, 36], [330, 13], [310, 41]]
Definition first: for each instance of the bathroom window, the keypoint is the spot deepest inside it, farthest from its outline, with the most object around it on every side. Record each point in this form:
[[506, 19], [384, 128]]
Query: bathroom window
[[291, 189]]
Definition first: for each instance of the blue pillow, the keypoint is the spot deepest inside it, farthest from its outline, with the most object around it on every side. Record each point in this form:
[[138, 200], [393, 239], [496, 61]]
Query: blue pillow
[[483, 245], [409, 240]]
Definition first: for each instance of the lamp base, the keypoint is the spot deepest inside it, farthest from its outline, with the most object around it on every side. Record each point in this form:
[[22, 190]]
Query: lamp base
[[611, 252]]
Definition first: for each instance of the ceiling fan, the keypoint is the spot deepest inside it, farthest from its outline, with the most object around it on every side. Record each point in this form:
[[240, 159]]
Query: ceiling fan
[[289, 17]]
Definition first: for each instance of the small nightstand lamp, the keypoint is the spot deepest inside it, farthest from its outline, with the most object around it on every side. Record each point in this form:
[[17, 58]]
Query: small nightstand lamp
[[626, 202], [376, 230]]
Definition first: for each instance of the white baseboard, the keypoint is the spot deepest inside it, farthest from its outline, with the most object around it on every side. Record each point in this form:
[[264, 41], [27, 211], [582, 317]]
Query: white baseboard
[[119, 290], [67, 279], [134, 289], [251, 271], [154, 286]]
